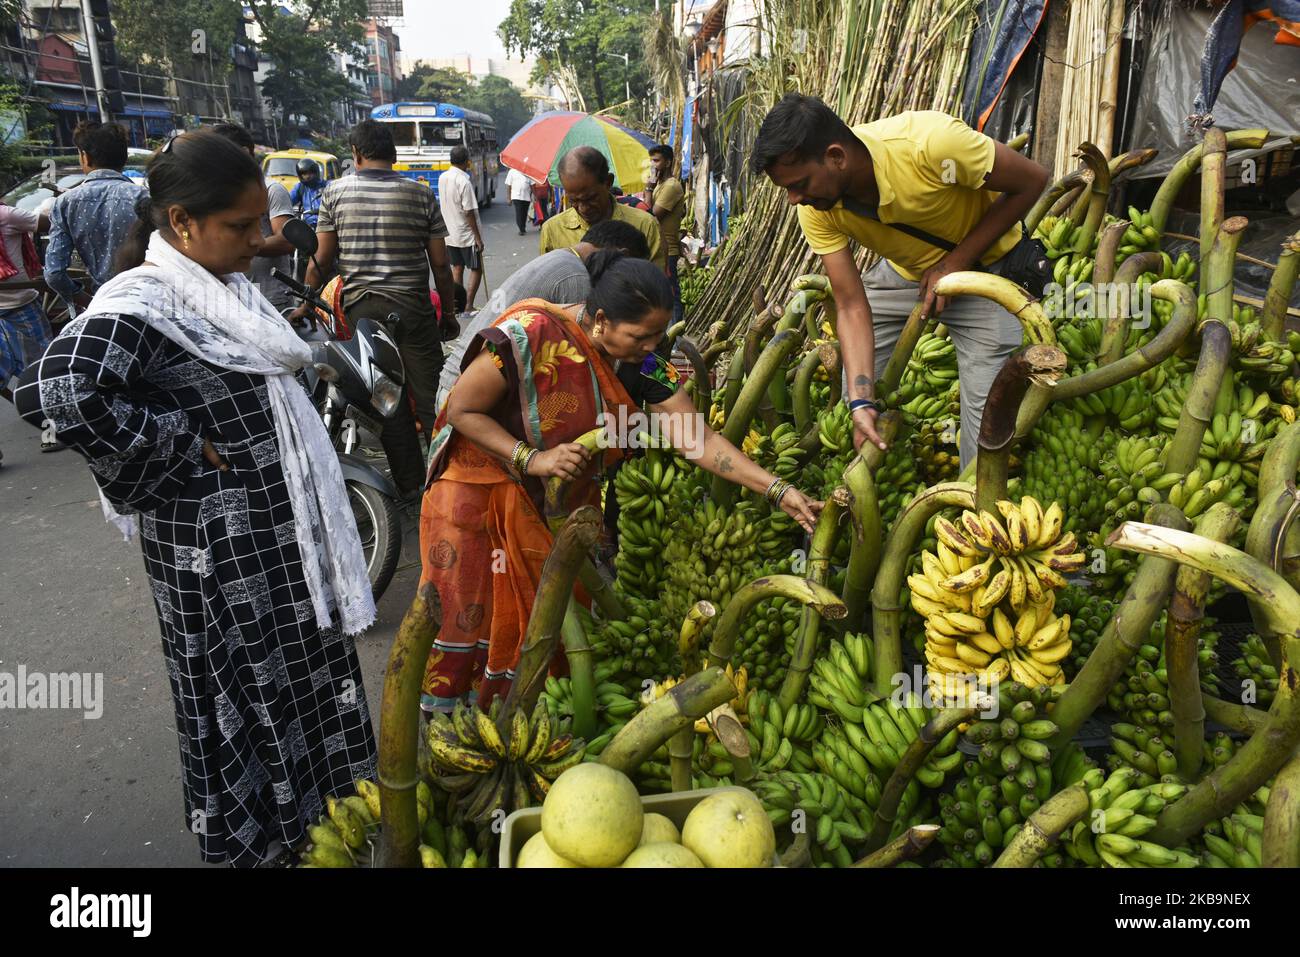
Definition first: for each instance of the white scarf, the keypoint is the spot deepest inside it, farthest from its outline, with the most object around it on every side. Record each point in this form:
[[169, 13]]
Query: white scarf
[[227, 322]]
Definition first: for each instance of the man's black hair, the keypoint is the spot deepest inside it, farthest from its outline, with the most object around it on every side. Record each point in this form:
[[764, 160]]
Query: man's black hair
[[459, 156], [236, 134], [664, 150], [616, 234], [373, 141], [588, 158], [802, 125], [104, 143]]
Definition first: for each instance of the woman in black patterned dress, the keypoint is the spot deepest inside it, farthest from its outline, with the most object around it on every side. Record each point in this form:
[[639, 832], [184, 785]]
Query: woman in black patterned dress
[[178, 386]]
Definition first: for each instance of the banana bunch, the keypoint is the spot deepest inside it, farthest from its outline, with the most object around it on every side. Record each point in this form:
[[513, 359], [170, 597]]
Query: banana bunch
[[643, 487], [1127, 403], [1081, 340], [1255, 665], [486, 772], [897, 483], [341, 838], [1120, 812], [854, 750], [1244, 421], [835, 430], [771, 727], [636, 648], [764, 647], [841, 677], [1236, 840], [1142, 694], [614, 704], [779, 453], [1089, 613], [1144, 752], [933, 445], [1064, 466]]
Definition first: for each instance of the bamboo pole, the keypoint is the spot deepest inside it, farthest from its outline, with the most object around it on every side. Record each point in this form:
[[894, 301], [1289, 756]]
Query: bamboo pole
[[1281, 838], [818, 569], [1190, 161], [886, 608], [912, 843], [1182, 631], [725, 633], [1110, 82], [1045, 826], [399, 729], [1280, 287], [680, 707]]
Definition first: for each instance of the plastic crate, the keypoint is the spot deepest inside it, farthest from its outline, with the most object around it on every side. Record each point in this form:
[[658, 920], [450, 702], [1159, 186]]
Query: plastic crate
[[524, 823]]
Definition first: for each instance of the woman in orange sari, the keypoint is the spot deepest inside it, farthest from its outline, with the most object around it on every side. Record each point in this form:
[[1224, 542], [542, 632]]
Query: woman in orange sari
[[541, 376]]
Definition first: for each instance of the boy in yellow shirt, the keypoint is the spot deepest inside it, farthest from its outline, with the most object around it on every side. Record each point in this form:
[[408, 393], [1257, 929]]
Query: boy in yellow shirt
[[925, 171]]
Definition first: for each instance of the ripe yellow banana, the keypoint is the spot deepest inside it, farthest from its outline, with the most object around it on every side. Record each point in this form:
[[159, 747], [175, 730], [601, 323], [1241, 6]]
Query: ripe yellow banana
[[1016, 529], [950, 560], [966, 624], [1050, 528], [1049, 634], [487, 731], [1051, 654], [986, 642], [970, 579], [997, 534], [1018, 590], [1032, 514], [972, 655], [1026, 626], [998, 670], [995, 589], [955, 539], [1003, 630], [981, 536]]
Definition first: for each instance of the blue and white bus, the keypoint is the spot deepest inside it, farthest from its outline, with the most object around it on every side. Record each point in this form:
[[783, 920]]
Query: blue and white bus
[[425, 133]]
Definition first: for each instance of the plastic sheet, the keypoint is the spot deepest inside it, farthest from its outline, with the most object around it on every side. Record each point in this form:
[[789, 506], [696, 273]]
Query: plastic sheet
[[1262, 239]]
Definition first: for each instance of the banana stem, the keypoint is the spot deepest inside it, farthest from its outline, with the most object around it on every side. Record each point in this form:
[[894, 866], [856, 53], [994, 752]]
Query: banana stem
[[1198, 411], [818, 569], [1123, 635], [827, 356], [1044, 828], [1264, 537], [1097, 196], [1233, 716], [1112, 237], [672, 332], [886, 608], [1280, 288], [1131, 160], [916, 754], [911, 843], [1114, 334], [864, 554], [1018, 143], [1182, 631], [820, 598], [703, 390], [715, 349], [582, 677], [1043, 364], [908, 337], [737, 425], [1188, 164], [1038, 328], [593, 442], [1218, 269], [399, 729], [681, 745], [1068, 183], [682, 705], [542, 635], [734, 380], [1214, 162], [758, 330], [1281, 838]]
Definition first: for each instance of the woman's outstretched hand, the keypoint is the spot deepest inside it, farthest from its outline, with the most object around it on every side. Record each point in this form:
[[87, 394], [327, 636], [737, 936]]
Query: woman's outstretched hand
[[567, 461], [801, 508]]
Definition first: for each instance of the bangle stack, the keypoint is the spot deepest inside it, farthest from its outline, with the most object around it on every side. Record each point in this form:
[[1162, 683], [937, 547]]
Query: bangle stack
[[776, 491], [519, 458]]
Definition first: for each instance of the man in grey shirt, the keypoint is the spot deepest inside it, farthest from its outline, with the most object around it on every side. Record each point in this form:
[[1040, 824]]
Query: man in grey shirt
[[559, 276]]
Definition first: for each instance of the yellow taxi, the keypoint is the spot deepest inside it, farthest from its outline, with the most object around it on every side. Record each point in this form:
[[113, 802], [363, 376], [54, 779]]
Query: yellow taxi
[[282, 165]]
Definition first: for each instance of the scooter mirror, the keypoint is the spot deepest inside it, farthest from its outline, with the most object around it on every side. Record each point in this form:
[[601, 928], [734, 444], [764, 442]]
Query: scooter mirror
[[300, 236]]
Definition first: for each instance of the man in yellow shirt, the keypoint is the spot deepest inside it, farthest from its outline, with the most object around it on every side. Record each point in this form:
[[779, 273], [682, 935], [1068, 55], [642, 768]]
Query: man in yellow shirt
[[585, 176], [925, 170], [668, 205]]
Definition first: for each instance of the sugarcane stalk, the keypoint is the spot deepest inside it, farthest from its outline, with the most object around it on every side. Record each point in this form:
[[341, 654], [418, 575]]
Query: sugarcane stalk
[[1044, 828], [911, 843], [680, 707], [864, 554], [1281, 838], [1066, 184], [1188, 164], [1198, 411], [1114, 334], [703, 390], [681, 745], [1099, 192], [1280, 287], [1182, 631], [399, 729], [886, 608], [1274, 744], [582, 676], [737, 425], [1041, 364], [1214, 163], [730, 623], [1235, 717], [817, 571], [908, 337], [1038, 328], [826, 355], [916, 754], [542, 634], [1270, 531], [1123, 635]]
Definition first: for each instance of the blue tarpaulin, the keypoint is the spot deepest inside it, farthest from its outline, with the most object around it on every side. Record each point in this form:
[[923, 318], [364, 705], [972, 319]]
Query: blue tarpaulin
[[1004, 30], [1223, 41], [687, 129]]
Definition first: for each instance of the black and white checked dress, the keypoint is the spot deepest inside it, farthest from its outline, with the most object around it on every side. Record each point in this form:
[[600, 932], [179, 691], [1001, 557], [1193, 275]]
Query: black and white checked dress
[[270, 709]]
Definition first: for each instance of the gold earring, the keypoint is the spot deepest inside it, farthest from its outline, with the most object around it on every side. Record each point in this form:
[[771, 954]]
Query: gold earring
[[185, 238]]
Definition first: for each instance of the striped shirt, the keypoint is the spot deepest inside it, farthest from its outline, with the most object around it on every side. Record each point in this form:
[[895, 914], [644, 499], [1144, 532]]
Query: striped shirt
[[384, 222]]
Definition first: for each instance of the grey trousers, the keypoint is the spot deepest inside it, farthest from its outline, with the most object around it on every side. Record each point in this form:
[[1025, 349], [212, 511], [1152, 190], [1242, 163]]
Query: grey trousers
[[983, 333]]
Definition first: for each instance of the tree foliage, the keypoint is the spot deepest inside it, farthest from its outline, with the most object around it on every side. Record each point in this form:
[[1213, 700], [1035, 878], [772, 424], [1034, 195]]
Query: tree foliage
[[579, 35], [494, 95], [153, 35]]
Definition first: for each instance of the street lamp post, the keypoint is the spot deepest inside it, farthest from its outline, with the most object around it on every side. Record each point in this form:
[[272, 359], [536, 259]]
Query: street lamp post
[[627, 86]]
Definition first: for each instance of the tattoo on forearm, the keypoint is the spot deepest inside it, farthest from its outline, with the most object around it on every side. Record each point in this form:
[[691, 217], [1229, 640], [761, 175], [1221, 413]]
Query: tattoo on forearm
[[863, 385], [722, 462]]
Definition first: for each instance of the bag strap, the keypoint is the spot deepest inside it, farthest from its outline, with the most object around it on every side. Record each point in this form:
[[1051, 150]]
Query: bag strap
[[869, 212]]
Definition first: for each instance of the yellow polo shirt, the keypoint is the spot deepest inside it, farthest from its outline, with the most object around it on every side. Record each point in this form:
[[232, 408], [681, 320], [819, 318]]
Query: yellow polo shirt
[[566, 230], [929, 168]]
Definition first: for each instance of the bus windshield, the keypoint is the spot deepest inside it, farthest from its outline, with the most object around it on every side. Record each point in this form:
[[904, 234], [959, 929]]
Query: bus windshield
[[431, 133]]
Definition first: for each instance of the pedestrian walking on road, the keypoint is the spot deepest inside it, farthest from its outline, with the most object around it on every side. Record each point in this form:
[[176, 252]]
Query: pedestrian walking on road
[[520, 189], [459, 207], [587, 181], [386, 233], [179, 386], [94, 218], [668, 204]]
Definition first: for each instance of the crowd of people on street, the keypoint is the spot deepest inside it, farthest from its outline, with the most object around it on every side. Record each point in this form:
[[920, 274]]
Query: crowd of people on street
[[180, 381]]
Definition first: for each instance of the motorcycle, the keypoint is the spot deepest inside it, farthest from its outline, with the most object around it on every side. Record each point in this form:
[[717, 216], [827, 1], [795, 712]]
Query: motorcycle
[[363, 387]]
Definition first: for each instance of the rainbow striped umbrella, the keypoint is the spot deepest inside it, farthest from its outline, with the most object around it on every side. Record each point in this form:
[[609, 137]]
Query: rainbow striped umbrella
[[539, 145]]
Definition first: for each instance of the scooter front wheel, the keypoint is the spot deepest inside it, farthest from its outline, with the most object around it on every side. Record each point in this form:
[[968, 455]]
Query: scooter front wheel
[[380, 529]]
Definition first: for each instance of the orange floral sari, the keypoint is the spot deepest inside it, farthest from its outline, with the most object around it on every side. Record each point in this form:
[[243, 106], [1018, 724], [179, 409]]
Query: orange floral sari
[[483, 534]]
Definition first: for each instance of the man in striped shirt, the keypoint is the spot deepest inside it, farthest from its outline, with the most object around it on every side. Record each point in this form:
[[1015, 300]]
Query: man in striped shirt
[[386, 233]]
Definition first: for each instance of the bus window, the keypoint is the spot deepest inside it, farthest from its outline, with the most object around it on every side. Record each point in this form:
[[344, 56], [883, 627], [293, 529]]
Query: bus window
[[403, 133], [331, 170]]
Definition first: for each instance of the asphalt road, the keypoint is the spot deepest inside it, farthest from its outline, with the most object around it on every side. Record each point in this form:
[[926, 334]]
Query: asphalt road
[[87, 792]]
